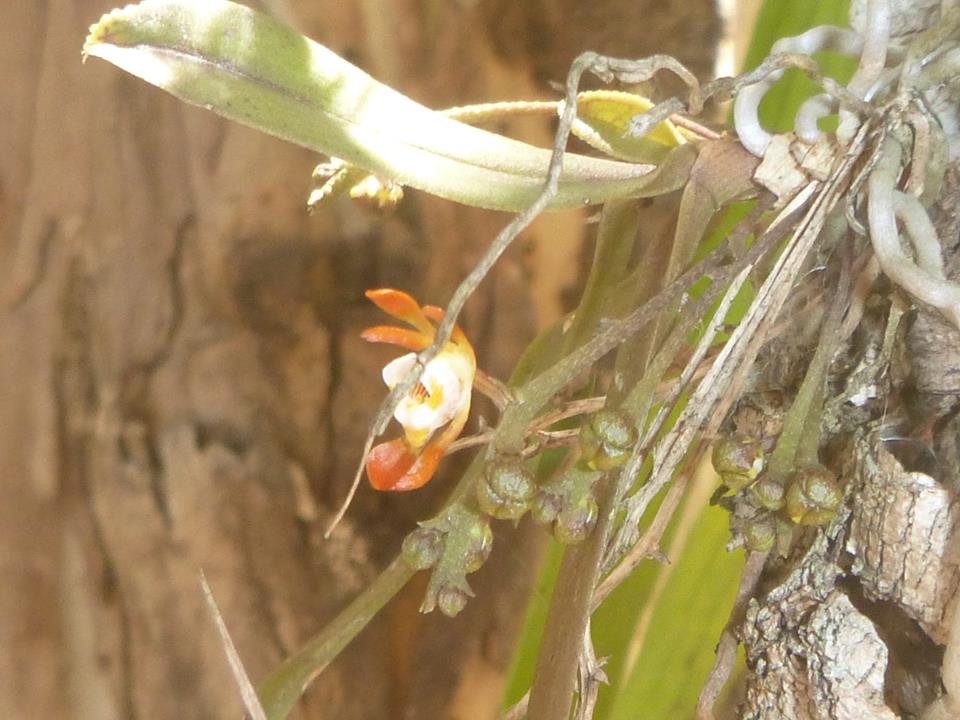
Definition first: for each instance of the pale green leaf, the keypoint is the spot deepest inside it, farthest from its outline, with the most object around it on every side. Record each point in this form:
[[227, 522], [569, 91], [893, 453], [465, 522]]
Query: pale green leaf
[[248, 67], [678, 648]]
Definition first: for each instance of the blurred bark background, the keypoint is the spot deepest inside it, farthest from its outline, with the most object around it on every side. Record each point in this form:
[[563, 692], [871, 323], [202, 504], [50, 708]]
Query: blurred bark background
[[182, 381]]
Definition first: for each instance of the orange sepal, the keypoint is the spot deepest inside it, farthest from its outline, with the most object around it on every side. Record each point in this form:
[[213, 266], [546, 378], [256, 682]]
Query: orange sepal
[[401, 306], [392, 467], [392, 335]]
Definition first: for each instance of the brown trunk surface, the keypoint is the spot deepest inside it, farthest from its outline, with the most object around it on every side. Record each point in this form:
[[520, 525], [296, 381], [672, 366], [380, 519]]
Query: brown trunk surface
[[183, 386]]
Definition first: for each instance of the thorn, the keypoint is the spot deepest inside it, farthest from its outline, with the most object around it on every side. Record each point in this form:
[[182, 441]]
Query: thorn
[[248, 693]]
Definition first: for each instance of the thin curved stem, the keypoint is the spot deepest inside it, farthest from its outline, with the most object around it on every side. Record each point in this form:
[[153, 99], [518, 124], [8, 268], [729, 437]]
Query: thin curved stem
[[921, 232]]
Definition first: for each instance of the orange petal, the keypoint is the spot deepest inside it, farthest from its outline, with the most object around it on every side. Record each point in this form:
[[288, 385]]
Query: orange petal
[[418, 474], [392, 467], [401, 306], [423, 469], [409, 339], [387, 463], [433, 312], [436, 314]]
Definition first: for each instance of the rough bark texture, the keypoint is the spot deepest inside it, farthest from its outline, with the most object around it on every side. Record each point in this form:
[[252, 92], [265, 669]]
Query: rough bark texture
[[900, 537], [183, 385], [854, 623], [811, 653]]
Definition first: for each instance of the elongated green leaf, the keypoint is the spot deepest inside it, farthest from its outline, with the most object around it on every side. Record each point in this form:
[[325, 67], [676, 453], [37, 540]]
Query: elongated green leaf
[[692, 609], [252, 69]]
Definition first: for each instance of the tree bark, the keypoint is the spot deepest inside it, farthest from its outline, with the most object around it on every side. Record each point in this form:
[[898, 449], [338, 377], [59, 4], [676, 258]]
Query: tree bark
[[184, 386], [854, 622]]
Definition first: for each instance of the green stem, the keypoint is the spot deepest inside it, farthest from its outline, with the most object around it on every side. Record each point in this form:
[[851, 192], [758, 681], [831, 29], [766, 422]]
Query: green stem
[[799, 442], [555, 675], [282, 688], [616, 235]]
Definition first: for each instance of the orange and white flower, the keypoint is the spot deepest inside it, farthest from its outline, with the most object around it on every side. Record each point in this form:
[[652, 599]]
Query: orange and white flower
[[434, 412]]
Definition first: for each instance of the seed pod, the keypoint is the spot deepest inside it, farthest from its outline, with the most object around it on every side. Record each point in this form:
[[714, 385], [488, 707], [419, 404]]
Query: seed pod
[[451, 600], [738, 460], [479, 547], [575, 522], [813, 496], [422, 548], [767, 493], [506, 489], [545, 507], [759, 534], [606, 441]]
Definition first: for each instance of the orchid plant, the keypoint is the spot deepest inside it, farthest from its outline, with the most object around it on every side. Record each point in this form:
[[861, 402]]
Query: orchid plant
[[685, 341]]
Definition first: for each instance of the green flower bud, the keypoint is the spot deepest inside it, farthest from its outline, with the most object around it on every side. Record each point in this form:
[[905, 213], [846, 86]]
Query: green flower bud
[[813, 496], [480, 545], [451, 600], [545, 507], [759, 534], [575, 522], [506, 489], [607, 440], [738, 460], [422, 548], [767, 493]]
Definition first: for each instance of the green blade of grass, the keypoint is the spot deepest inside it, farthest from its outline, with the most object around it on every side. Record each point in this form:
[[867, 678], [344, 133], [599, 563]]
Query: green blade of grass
[[691, 609], [520, 675]]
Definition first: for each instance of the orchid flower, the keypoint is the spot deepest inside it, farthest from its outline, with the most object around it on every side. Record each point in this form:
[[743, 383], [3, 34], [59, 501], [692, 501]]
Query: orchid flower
[[436, 409]]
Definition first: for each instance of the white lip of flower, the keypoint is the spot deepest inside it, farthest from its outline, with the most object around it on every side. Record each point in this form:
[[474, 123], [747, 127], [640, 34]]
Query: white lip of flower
[[447, 380]]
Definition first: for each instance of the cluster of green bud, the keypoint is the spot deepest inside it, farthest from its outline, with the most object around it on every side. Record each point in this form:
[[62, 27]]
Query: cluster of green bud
[[576, 521], [452, 600], [546, 506], [738, 460], [767, 531], [607, 440], [454, 544], [506, 489], [760, 533], [478, 546], [569, 504], [813, 496], [771, 507], [766, 493], [422, 548]]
